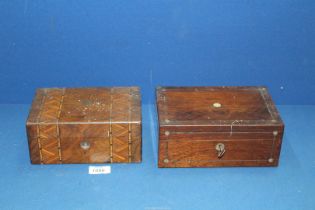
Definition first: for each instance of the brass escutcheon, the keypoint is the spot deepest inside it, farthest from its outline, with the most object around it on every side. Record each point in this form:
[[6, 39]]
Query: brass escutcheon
[[85, 145], [216, 105]]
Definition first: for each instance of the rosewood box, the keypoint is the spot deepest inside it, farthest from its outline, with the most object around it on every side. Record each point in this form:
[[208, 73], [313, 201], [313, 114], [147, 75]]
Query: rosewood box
[[85, 125], [218, 126]]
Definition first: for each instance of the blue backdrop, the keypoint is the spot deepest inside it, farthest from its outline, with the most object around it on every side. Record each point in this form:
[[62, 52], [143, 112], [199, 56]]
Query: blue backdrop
[[72, 43], [165, 42]]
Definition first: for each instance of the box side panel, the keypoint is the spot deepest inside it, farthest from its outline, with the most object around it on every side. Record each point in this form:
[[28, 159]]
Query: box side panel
[[33, 146], [278, 144], [44, 145], [135, 150], [135, 142]]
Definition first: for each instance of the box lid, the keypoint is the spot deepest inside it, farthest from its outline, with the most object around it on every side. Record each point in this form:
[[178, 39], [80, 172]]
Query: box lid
[[217, 107], [85, 107]]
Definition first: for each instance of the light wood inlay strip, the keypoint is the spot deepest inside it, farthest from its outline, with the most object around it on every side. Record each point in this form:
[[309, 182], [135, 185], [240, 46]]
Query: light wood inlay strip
[[206, 161], [58, 130], [273, 146], [38, 129], [110, 125], [219, 132], [216, 140], [82, 123], [129, 127]]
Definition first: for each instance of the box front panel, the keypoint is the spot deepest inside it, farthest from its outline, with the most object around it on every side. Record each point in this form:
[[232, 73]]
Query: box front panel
[[84, 143], [212, 149], [204, 153]]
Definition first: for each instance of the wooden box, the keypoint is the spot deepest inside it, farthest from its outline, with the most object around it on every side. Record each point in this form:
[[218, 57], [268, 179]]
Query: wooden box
[[218, 126], [85, 125]]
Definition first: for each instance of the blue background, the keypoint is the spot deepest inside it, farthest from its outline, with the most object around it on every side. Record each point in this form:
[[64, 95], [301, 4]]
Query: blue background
[[49, 43], [75, 43]]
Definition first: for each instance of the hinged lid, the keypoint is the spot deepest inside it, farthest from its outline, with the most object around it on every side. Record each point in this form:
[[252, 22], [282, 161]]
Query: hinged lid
[[216, 108], [85, 111]]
